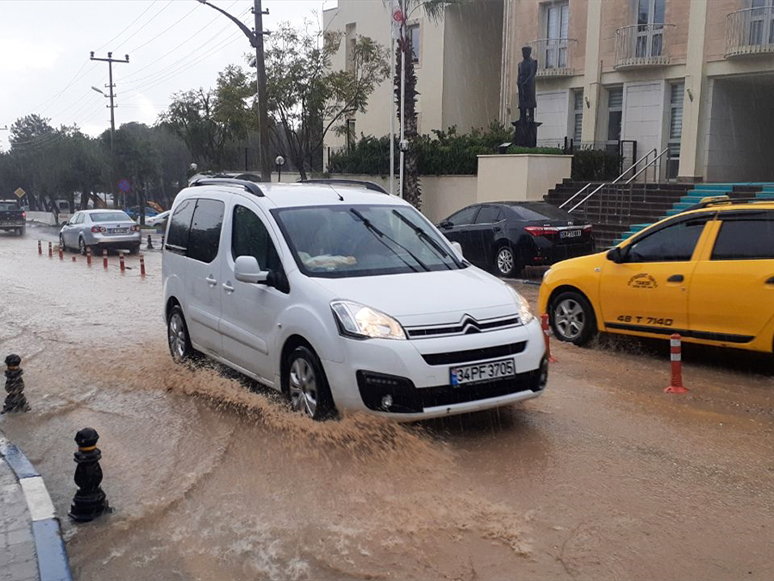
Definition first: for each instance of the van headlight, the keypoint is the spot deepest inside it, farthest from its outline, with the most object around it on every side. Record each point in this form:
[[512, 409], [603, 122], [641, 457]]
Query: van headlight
[[525, 313], [356, 320]]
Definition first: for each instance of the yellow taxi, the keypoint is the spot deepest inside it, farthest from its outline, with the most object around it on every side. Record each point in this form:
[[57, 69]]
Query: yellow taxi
[[706, 273]]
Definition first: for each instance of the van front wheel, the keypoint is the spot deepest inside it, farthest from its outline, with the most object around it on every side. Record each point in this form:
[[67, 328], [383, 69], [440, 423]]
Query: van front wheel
[[307, 386]]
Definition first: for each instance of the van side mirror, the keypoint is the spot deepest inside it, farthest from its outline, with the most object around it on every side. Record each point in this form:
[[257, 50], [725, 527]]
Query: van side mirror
[[247, 269], [616, 255], [457, 249]]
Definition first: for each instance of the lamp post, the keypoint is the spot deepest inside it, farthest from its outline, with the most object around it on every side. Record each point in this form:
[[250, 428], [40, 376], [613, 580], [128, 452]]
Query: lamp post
[[279, 162], [256, 41]]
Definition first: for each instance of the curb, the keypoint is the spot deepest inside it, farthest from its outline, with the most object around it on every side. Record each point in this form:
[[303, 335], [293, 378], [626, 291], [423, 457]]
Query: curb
[[49, 546]]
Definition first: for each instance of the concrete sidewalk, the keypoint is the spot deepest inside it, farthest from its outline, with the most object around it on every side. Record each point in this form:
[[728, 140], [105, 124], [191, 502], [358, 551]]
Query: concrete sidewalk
[[31, 546]]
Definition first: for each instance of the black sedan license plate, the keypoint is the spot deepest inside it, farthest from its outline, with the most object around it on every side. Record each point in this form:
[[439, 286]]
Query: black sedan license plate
[[479, 372], [570, 234]]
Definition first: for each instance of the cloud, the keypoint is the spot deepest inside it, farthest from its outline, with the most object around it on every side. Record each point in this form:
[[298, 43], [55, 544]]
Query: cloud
[[19, 54]]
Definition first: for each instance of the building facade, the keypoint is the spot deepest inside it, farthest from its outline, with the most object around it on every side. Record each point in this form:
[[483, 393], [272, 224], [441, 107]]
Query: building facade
[[692, 77]]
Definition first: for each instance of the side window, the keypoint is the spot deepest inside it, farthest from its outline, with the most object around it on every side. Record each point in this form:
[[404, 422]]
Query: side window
[[672, 244], [204, 239], [180, 226], [249, 237], [83, 218], [489, 215], [742, 238], [74, 219], [464, 217]]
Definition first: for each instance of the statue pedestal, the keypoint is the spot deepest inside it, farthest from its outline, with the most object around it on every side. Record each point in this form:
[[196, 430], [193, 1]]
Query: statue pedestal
[[526, 133]]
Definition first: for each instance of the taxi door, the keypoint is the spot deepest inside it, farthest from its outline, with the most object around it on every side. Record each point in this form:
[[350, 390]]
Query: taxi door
[[732, 296], [646, 291]]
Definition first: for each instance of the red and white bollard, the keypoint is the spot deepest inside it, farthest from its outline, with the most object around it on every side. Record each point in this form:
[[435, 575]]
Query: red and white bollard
[[61, 252], [142, 265], [676, 385], [544, 324], [121, 261], [40, 248], [88, 255], [73, 257], [50, 250], [104, 258]]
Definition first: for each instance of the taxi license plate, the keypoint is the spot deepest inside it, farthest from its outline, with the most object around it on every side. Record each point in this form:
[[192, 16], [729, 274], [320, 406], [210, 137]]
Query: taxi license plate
[[479, 372], [570, 234], [118, 230]]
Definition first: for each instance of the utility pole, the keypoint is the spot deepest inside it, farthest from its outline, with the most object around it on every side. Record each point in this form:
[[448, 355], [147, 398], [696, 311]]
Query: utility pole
[[110, 60], [256, 41]]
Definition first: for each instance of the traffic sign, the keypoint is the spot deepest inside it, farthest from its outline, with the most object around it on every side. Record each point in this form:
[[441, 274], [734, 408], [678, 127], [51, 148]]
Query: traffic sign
[[19, 192], [124, 186]]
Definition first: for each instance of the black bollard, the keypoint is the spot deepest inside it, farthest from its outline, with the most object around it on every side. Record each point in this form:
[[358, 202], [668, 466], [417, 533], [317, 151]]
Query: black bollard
[[15, 401], [89, 501], [150, 243], [162, 242]]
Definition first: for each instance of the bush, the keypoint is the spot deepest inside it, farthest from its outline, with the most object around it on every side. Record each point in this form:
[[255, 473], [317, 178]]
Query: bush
[[595, 165]]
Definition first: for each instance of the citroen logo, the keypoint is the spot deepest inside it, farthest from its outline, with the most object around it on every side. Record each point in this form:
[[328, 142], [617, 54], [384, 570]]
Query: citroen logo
[[470, 325]]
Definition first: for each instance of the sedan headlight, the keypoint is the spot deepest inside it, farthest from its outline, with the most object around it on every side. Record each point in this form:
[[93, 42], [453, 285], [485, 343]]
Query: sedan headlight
[[360, 321], [525, 313]]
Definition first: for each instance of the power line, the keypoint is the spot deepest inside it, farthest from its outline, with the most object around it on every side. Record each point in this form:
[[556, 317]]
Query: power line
[[178, 21], [130, 25], [152, 18]]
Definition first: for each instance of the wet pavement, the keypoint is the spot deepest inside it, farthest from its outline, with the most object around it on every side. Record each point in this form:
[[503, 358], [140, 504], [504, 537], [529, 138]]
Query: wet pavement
[[605, 476]]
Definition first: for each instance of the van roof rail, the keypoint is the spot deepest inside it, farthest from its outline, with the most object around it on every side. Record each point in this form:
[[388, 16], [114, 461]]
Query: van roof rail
[[249, 186], [345, 182]]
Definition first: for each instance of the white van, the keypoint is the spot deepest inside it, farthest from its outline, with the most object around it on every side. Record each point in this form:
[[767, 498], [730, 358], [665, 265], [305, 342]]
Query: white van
[[343, 297]]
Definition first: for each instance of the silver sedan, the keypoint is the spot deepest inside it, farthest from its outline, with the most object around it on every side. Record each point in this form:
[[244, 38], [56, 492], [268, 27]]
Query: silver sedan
[[101, 229]]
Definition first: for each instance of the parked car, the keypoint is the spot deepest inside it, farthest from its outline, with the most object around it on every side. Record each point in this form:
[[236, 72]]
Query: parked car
[[12, 217], [134, 212], [100, 229], [504, 237], [707, 274], [343, 298], [159, 220]]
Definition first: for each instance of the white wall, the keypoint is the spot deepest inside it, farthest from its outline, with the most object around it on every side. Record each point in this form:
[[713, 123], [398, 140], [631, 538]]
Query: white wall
[[552, 112], [643, 117]]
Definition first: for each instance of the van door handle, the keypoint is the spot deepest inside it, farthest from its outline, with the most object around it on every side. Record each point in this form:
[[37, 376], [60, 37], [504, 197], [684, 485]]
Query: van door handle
[[770, 281], [228, 288], [676, 278], [211, 281]]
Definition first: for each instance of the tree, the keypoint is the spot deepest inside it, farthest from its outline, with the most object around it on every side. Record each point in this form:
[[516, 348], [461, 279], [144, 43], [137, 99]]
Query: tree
[[434, 10], [306, 99]]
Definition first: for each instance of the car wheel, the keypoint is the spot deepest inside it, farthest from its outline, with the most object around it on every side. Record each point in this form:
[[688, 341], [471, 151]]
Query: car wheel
[[134, 249], [61, 242], [82, 246], [505, 262], [177, 337], [572, 318], [307, 386], [22, 231]]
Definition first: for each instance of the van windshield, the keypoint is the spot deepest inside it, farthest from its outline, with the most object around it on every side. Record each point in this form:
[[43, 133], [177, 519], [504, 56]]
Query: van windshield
[[346, 241]]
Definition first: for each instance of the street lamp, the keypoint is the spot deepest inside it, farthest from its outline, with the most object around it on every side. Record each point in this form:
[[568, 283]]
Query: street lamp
[[279, 162], [100, 91], [256, 41]]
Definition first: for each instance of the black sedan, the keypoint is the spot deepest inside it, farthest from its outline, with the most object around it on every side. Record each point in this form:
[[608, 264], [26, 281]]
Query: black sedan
[[507, 236]]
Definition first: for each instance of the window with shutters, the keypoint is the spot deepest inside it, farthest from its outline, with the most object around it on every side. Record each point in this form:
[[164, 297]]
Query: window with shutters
[[614, 116], [577, 128], [677, 90]]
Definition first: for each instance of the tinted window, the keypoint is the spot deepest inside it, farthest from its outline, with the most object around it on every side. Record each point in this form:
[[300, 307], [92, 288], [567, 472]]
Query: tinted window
[[249, 237], [463, 216], [8, 206], [110, 217], [672, 244], [180, 224], [488, 215], [205, 230], [540, 211], [745, 238]]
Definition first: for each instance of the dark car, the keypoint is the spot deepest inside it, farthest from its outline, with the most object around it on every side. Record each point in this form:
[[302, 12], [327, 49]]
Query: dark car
[[12, 217], [507, 236]]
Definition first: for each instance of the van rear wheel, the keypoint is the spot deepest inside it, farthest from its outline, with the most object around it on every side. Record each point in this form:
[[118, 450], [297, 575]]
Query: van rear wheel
[[177, 337]]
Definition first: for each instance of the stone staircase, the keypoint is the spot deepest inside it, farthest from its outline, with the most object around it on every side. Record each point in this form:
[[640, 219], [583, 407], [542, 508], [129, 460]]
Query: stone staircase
[[618, 212]]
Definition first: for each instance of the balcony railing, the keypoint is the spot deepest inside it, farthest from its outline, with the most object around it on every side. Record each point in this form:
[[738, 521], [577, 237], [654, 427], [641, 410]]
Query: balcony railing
[[642, 45], [553, 56], [750, 31]]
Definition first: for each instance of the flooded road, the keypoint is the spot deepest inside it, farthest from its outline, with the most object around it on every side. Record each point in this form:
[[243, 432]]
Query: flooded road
[[212, 478]]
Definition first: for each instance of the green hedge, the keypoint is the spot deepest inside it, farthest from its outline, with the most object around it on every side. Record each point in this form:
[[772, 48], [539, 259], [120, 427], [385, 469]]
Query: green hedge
[[595, 165]]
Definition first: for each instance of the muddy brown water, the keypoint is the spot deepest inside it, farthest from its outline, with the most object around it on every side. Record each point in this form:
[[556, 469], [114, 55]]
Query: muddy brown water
[[213, 478]]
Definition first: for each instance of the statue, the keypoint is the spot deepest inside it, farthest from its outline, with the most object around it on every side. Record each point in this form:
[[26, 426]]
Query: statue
[[526, 84], [526, 128]]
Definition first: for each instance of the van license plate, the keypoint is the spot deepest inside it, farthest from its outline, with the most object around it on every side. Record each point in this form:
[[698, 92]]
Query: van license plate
[[479, 372], [570, 234]]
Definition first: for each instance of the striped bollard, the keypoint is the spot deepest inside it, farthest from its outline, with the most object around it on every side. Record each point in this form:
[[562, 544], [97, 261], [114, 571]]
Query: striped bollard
[[544, 324], [73, 257], [61, 252], [104, 258], [40, 248], [142, 265], [88, 255], [676, 385], [121, 261]]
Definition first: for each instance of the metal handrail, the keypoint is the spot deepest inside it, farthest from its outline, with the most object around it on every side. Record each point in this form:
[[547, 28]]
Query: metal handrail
[[603, 184], [655, 159]]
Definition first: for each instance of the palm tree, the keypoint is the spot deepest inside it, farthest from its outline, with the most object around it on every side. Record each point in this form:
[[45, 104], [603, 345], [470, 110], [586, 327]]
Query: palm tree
[[434, 10]]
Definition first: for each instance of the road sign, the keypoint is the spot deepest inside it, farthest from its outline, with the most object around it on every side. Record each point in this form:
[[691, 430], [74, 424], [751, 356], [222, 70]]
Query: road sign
[[19, 192], [124, 186]]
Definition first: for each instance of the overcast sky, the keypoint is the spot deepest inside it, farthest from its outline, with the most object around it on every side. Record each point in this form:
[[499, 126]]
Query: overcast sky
[[173, 45]]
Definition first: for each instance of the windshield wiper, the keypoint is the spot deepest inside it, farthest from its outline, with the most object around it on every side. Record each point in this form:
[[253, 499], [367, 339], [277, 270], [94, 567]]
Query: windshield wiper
[[427, 239], [380, 235]]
